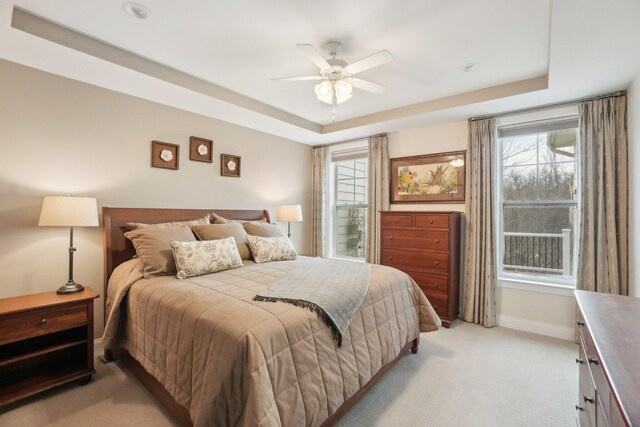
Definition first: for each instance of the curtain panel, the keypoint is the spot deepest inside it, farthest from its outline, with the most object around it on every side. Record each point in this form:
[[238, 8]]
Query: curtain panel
[[603, 243], [378, 193], [318, 199], [479, 299]]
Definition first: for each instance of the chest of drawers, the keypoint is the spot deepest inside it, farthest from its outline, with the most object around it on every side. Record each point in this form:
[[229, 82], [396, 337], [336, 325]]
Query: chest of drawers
[[608, 355], [426, 246]]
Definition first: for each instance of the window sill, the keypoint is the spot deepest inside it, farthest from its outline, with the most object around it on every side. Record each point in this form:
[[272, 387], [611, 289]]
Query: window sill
[[535, 286]]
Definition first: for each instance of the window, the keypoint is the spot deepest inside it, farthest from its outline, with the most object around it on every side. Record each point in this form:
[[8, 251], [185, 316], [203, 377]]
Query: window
[[537, 201], [350, 205]]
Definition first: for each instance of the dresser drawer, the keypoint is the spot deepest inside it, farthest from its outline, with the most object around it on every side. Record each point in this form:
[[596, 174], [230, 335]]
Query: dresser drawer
[[415, 239], [586, 391], [431, 283], [42, 322], [439, 303], [397, 220], [432, 221], [436, 262]]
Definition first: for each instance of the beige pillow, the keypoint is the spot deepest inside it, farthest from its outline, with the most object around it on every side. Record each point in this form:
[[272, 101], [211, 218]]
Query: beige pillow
[[222, 231], [267, 249], [263, 230], [208, 256], [153, 246], [217, 219], [140, 225]]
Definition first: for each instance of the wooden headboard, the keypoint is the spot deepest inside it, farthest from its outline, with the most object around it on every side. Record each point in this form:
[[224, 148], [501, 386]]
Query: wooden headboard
[[118, 249]]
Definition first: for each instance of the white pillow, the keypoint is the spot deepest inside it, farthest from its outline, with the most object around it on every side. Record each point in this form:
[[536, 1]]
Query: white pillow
[[266, 249], [207, 256]]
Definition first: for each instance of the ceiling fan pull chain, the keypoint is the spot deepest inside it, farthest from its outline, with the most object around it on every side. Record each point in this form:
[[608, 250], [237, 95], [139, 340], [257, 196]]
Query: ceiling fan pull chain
[[334, 99]]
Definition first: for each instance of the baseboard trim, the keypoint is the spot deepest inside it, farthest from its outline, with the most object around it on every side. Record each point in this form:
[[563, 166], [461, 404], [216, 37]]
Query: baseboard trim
[[540, 328]]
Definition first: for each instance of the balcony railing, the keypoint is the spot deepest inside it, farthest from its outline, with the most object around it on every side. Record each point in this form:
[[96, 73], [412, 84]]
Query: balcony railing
[[540, 253], [351, 225]]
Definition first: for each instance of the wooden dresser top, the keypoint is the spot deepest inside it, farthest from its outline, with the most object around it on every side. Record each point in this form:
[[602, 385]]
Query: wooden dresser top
[[614, 323]]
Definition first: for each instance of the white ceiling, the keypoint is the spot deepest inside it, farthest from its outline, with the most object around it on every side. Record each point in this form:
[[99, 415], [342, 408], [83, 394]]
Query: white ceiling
[[584, 46]]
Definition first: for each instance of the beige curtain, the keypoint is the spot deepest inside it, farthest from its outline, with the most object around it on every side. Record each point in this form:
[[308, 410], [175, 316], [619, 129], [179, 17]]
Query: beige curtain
[[603, 247], [479, 303], [378, 194], [318, 197]]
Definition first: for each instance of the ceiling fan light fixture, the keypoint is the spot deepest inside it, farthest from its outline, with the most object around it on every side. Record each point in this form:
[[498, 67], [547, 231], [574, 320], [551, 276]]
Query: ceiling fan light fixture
[[326, 90]]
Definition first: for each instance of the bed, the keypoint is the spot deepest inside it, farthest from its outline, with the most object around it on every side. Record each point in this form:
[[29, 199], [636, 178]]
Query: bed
[[212, 355]]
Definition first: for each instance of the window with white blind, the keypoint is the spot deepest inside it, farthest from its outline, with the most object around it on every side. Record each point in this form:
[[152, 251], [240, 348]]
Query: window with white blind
[[538, 200], [349, 176]]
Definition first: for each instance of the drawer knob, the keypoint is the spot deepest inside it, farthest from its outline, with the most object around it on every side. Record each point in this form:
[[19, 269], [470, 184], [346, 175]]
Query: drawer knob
[[437, 262], [43, 321], [390, 237], [396, 221], [588, 399], [580, 361], [580, 323], [436, 285], [390, 258], [435, 306], [579, 408], [437, 240], [430, 221], [593, 360]]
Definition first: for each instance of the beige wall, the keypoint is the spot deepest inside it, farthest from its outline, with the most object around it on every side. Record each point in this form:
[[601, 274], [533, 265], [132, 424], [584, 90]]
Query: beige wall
[[522, 309], [633, 121], [59, 136]]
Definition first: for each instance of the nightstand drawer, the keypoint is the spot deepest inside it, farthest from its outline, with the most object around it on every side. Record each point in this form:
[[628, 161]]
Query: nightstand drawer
[[42, 322]]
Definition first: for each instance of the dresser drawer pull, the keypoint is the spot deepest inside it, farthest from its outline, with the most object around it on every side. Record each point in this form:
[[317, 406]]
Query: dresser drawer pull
[[43, 321], [396, 221], [580, 323], [390, 237], [436, 285], [580, 361], [430, 221], [588, 399], [390, 258], [435, 306], [437, 240], [593, 360], [437, 262], [579, 408]]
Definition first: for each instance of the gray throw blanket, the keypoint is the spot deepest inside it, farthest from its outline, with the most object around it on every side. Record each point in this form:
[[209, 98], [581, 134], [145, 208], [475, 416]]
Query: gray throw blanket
[[333, 289]]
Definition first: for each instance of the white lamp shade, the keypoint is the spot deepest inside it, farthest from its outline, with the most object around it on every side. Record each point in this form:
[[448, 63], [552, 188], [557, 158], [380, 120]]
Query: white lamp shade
[[289, 213], [66, 211]]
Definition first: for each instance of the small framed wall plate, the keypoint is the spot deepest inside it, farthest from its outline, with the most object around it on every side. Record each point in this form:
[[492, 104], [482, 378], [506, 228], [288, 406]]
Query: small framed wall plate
[[229, 165], [200, 149], [165, 155]]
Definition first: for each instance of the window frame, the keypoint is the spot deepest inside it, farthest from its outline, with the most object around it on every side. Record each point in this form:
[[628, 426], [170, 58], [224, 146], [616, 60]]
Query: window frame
[[500, 204]]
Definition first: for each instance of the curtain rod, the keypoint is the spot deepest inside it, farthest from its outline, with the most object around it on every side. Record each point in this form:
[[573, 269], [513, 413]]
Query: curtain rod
[[348, 140], [550, 106]]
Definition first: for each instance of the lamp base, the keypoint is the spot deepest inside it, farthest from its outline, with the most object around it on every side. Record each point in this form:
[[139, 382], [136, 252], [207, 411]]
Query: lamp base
[[70, 288]]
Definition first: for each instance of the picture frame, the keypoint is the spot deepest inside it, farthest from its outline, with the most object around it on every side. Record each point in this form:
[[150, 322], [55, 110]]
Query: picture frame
[[230, 165], [429, 178], [165, 155], [200, 149]]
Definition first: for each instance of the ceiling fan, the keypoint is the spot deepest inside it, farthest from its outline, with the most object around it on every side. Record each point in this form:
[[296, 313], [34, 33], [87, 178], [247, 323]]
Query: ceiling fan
[[336, 75]]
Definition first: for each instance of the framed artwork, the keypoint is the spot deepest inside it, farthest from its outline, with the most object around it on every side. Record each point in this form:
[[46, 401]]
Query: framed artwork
[[200, 149], [430, 178], [229, 165], [165, 155]]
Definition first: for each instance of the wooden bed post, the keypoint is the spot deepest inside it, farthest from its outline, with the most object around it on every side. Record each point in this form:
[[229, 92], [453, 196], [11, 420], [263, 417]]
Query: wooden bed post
[[415, 345]]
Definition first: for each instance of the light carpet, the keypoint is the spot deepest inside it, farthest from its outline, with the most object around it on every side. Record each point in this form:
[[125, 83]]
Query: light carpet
[[464, 376]]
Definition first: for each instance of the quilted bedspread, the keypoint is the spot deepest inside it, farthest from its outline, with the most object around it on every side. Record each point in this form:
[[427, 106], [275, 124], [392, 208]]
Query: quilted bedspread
[[232, 361]]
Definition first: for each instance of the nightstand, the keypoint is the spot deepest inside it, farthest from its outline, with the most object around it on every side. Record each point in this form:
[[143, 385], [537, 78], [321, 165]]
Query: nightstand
[[45, 340]]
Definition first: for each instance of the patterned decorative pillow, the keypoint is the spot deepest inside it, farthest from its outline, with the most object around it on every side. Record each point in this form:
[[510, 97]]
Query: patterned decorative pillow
[[266, 249], [207, 256]]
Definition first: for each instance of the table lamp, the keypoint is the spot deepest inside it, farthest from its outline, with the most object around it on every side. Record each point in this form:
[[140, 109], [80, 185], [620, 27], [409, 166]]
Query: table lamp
[[67, 211], [289, 213]]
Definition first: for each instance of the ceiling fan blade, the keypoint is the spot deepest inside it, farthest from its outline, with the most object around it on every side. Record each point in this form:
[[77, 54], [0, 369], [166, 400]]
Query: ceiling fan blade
[[374, 60], [296, 79], [366, 85], [314, 56]]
